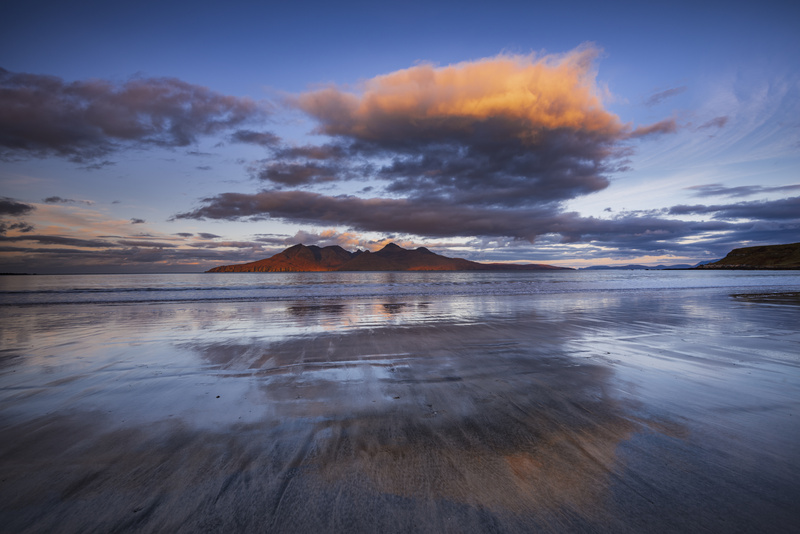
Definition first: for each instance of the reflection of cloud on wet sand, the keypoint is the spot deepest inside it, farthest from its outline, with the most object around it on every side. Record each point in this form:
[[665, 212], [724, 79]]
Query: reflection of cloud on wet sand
[[419, 428], [476, 415], [504, 444]]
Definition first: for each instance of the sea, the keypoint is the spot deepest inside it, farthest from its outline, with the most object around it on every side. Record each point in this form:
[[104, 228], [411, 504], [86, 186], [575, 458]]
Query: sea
[[548, 401], [262, 287]]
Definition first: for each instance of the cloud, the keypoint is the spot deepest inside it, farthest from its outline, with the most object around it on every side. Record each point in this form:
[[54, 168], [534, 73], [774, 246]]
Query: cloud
[[505, 131], [510, 131], [61, 240], [9, 206], [97, 165], [444, 220], [124, 259], [296, 174], [710, 190], [314, 152], [206, 235], [265, 139], [522, 95], [59, 200], [295, 166], [348, 240], [21, 227], [46, 253], [629, 234], [86, 120], [143, 243], [489, 148], [78, 248], [768, 210], [660, 96], [226, 244], [716, 122], [13, 208], [376, 214], [137, 221], [661, 127]]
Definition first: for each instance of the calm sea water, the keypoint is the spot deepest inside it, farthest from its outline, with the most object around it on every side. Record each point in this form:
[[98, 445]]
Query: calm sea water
[[111, 289]]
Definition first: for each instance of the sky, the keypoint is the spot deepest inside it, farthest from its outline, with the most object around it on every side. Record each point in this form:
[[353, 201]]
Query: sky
[[179, 136]]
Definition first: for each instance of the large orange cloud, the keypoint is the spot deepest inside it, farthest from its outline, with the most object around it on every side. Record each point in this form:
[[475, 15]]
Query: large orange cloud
[[526, 93], [511, 130]]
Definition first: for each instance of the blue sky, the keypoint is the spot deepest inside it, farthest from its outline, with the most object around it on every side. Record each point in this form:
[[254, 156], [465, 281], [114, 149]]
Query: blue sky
[[178, 136]]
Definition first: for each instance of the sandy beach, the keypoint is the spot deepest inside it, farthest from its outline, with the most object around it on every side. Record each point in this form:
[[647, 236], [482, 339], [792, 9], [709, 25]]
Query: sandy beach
[[640, 411]]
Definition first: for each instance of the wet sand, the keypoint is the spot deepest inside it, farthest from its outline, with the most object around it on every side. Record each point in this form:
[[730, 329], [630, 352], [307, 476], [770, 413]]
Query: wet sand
[[659, 411]]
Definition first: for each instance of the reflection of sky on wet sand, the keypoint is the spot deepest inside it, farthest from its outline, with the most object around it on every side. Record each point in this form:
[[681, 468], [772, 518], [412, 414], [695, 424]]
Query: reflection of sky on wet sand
[[550, 412]]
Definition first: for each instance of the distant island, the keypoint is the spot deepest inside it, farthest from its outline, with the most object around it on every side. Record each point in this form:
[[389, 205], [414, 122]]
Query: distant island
[[764, 257], [302, 258], [639, 267]]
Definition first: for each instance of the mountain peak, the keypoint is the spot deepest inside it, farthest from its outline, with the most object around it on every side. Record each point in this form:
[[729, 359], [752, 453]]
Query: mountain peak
[[390, 258]]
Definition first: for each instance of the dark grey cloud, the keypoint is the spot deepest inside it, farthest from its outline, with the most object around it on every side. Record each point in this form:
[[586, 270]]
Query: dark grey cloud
[[504, 171], [97, 165], [60, 200], [265, 139], [21, 227], [767, 210], [297, 166], [137, 221], [272, 239], [660, 96], [383, 215], [135, 256], [716, 122], [629, 233], [489, 165], [143, 243], [443, 220], [86, 120], [613, 242], [204, 167], [328, 151], [13, 208], [9, 206], [711, 190], [226, 244], [60, 240], [184, 234], [206, 235], [296, 174], [648, 233]]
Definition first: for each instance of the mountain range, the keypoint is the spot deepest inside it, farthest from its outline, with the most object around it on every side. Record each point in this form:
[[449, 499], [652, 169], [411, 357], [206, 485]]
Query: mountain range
[[302, 258]]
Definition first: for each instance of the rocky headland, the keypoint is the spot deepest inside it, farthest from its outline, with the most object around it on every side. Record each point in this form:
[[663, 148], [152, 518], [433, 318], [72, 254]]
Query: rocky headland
[[763, 257]]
